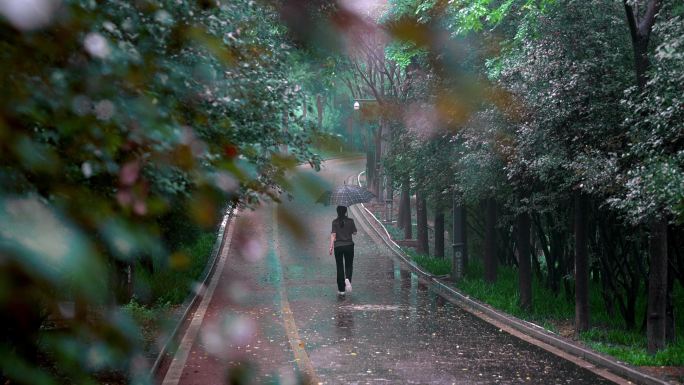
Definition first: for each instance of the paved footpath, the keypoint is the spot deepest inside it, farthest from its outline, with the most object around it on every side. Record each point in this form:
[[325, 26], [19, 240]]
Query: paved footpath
[[275, 317]]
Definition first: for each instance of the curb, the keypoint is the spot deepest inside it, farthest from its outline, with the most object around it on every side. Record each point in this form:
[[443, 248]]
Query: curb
[[527, 328], [192, 299]]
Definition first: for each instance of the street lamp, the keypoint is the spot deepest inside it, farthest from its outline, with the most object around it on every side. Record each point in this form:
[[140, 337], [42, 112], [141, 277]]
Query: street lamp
[[374, 168]]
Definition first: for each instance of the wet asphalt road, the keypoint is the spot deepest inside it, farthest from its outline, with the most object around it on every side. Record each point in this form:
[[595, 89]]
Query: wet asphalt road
[[277, 307]]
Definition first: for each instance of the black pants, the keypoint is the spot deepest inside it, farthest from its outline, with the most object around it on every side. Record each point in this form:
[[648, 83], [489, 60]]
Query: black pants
[[344, 258]]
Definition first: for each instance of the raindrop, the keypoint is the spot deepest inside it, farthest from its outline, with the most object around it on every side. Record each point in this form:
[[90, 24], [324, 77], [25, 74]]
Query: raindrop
[[96, 45], [104, 110], [29, 15], [163, 17], [87, 169], [226, 182]]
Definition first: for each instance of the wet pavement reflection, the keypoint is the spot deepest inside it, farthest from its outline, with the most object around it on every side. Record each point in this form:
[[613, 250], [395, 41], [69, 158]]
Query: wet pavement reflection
[[392, 328]]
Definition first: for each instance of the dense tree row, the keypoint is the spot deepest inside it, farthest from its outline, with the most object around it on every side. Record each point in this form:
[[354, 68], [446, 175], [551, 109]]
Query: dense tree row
[[558, 124]]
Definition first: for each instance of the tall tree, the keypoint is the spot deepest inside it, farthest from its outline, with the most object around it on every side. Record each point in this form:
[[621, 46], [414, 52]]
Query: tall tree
[[581, 265], [656, 326], [491, 259], [421, 214], [524, 260], [439, 233], [640, 28]]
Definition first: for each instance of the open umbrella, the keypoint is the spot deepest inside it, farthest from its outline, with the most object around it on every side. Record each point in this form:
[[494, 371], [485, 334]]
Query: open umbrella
[[346, 195]]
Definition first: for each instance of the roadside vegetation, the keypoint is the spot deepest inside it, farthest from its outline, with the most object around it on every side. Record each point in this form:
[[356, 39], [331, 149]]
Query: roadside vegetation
[[556, 311]]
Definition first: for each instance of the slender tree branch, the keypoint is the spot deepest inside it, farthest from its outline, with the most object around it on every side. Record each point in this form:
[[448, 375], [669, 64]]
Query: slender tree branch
[[648, 20], [631, 20]]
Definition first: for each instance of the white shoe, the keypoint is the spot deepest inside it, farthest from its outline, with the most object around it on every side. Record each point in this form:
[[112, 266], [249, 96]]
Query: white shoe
[[347, 285], [341, 293]]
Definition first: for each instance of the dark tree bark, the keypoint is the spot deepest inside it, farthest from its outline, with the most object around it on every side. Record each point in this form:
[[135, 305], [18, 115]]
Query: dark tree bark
[[408, 228], [439, 234], [490, 258], [404, 206], [551, 281], [378, 160], [640, 27], [400, 215], [657, 286], [319, 109], [669, 307], [675, 241], [464, 236], [350, 132], [536, 266], [581, 265], [524, 262], [622, 269], [421, 214], [370, 170], [458, 238]]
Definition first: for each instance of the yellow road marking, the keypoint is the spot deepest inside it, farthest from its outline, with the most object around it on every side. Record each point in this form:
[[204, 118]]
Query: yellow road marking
[[303, 362]]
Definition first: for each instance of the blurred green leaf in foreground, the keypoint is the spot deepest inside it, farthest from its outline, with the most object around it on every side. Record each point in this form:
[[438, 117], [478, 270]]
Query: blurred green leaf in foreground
[[125, 125]]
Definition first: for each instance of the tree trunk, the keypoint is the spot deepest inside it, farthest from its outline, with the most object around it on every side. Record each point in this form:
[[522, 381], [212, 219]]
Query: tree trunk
[[464, 236], [641, 63], [370, 169], [319, 109], [669, 307], [536, 266], [439, 234], [304, 111], [524, 262], [490, 259], [581, 265], [386, 141], [657, 286], [378, 161], [408, 228], [458, 238], [350, 132], [421, 214], [404, 206]]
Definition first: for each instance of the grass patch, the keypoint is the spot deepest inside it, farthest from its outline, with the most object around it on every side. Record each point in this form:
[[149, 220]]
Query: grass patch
[[636, 354], [436, 266], [140, 313], [398, 234], [395, 232], [504, 295], [630, 346], [158, 294], [608, 334], [171, 284]]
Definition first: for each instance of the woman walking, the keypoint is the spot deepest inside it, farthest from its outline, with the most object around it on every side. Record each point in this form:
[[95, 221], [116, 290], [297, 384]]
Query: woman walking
[[341, 241]]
